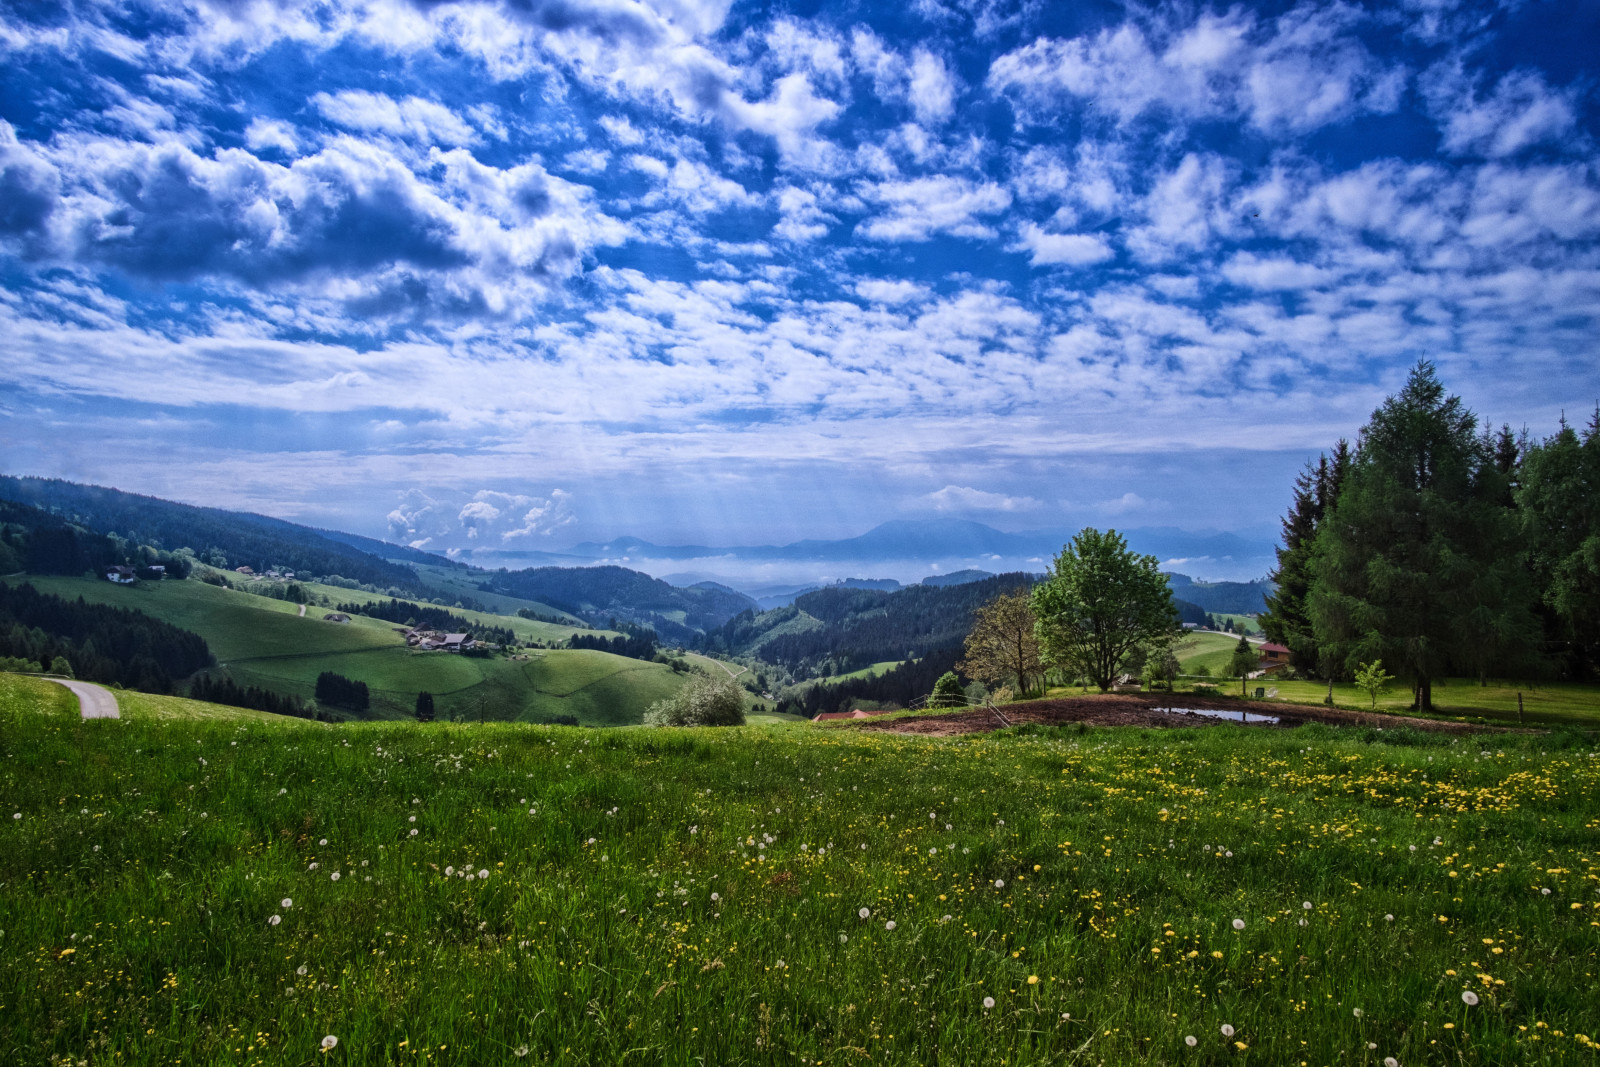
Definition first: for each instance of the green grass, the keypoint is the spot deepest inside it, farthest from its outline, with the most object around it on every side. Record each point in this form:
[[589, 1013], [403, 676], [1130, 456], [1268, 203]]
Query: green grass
[[1550, 704], [152, 852], [453, 582], [1206, 649], [525, 629]]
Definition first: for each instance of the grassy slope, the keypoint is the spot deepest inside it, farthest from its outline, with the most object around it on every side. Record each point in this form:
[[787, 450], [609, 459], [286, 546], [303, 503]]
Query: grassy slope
[[264, 642], [453, 581], [1210, 650], [525, 629], [151, 854]]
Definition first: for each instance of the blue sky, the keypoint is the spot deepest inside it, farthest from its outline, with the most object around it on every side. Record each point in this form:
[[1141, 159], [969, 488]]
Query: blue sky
[[521, 274]]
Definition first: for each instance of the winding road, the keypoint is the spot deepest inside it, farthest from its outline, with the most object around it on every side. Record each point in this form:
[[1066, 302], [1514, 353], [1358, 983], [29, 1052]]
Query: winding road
[[97, 702]]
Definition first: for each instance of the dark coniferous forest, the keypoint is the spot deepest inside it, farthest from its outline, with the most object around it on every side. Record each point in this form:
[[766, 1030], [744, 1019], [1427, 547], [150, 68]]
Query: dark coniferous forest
[[120, 646]]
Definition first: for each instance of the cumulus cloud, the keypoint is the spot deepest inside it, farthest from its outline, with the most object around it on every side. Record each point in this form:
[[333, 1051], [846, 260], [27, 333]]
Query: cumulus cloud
[[545, 516], [919, 209], [1521, 111], [412, 117], [1069, 249], [933, 89], [1300, 71], [966, 498]]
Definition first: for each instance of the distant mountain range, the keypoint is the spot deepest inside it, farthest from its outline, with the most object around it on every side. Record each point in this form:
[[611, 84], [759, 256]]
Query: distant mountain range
[[902, 549]]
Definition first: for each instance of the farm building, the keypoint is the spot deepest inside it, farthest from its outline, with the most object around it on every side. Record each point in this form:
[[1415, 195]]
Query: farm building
[[336, 616], [1273, 656], [120, 575]]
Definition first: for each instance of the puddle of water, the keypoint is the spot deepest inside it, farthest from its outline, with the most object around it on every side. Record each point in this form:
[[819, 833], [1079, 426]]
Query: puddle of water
[[1246, 717]]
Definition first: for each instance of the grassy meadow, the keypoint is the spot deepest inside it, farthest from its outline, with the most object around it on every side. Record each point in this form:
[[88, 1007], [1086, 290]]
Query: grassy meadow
[[199, 885]]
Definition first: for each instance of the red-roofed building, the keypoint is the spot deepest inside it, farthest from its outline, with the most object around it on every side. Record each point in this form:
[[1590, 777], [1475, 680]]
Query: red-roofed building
[[1273, 656]]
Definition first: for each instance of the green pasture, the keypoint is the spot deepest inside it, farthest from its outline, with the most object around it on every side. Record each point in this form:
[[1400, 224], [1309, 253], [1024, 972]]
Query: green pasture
[[196, 886], [525, 629], [454, 583]]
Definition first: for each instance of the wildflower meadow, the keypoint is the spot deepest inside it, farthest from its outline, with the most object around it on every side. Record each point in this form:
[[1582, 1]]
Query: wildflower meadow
[[185, 887]]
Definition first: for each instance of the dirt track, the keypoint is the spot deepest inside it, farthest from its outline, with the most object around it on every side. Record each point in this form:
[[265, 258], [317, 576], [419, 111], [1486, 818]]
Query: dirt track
[[1142, 709]]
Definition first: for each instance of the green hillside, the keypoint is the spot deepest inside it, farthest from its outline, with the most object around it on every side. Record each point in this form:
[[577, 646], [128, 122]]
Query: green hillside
[[263, 642], [1205, 649]]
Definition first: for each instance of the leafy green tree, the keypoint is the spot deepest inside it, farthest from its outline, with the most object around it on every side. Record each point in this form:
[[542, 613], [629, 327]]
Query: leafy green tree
[[1559, 496], [60, 666], [1417, 558], [1099, 603], [702, 701], [1002, 644], [424, 707], [1161, 662], [1373, 680], [947, 692], [1245, 659]]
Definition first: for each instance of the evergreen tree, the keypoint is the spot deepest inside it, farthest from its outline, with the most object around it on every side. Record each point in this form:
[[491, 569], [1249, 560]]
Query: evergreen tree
[[1416, 563], [424, 707], [1287, 619], [1559, 497]]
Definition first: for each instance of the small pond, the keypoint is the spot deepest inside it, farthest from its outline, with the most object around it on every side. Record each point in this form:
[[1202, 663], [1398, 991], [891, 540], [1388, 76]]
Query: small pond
[[1245, 717]]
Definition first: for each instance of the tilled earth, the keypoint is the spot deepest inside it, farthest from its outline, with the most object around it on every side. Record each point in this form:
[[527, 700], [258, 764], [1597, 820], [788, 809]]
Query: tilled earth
[[1142, 709]]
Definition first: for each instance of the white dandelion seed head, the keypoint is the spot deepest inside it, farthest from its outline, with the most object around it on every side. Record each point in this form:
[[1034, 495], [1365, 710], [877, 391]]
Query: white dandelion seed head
[[1191, 1041], [591, 840], [1390, 1061], [716, 897], [889, 925], [843, 938], [313, 866], [18, 815], [275, 920], [324, 841], [865, 913], [449, 871], [301, 970], [1302, 922], [1227, 1030], [282, 791], [999, 883], [1413, 849], [483, 875], [1356, 1012], [412, 818], [521, 1050], [413, 833], [946, 918], [1545, 892], [329, 1042], [988, 1002], [334, 876], [780, 965], [1469, 998], [1388, 918], [1238, 924], [1306, 904], [286, 903]]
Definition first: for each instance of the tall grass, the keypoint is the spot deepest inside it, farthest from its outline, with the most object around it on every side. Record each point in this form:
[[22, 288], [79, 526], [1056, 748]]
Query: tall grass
[[517, 894]]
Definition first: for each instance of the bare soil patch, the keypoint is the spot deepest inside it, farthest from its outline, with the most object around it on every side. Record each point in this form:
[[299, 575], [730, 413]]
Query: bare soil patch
[[1143, 709]]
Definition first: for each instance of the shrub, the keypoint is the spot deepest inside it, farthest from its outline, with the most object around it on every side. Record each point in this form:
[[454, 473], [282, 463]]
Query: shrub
[[701, 702]]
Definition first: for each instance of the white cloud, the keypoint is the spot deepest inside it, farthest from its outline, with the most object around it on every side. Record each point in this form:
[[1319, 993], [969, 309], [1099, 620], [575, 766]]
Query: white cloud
[[932, 90], [545, 516], [1273, 273], [1294, 74], [790, 115], [802, 216], [887, 291], [1070, 249], [1522, 111], [965, 498], [920, 208], [412, 118], [270, 133]]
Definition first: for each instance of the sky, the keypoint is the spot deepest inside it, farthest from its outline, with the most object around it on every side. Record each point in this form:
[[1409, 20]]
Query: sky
[[514, 275]]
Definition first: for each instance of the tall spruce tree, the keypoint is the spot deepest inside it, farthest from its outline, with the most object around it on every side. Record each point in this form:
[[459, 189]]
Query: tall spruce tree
[[1559, 497], [1417, 561], [1287, 619]]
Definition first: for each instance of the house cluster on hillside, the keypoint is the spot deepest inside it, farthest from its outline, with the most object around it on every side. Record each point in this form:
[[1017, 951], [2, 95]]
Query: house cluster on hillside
[[432, 640], [274, 573], [128, 575]]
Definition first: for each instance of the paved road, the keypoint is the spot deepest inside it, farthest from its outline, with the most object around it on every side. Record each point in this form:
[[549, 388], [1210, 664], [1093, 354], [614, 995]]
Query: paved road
[[96, 701]]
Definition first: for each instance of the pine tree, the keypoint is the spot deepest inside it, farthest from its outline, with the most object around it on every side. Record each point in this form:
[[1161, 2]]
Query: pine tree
[[1287, 619], [1559, 497], [424, 707], [1417, 563]]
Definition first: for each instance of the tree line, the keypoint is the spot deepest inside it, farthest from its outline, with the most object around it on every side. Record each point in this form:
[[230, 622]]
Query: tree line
[[40, 543], [121, 646], [224, 690], [428, 617], [635, 642], [338, 691], [1437, 546], [899, 685]]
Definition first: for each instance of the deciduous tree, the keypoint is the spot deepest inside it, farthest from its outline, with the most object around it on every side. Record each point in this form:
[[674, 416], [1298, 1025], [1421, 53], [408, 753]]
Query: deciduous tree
[[1003, 645], [1099, 603]]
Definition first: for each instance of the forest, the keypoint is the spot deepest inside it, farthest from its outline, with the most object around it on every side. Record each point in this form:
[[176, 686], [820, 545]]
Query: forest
[[1438, 546], [120, 646], [428, 617]]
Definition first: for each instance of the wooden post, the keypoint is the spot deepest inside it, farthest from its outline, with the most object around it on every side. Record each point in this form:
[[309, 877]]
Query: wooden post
[[1519, 705]]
